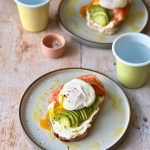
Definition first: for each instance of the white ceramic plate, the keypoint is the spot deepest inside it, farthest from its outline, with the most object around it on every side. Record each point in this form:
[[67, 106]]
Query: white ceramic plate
[[109, 128], [71, 21]]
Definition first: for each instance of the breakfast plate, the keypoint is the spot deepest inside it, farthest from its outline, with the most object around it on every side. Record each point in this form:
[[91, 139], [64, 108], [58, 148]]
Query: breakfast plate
[[71, 22], [108, 130]]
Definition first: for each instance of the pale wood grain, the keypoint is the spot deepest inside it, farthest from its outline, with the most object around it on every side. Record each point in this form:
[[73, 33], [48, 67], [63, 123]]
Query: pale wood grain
[[21, 62]]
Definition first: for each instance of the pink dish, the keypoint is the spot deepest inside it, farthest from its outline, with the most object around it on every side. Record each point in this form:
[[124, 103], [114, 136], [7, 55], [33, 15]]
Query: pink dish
[[53, 45]]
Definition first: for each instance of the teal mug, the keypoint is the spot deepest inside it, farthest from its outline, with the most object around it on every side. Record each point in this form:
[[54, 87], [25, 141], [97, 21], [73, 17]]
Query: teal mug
[[132, 53]]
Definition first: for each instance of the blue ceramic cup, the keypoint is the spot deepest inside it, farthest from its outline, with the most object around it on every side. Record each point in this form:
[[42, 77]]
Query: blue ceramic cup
[[132, 53]]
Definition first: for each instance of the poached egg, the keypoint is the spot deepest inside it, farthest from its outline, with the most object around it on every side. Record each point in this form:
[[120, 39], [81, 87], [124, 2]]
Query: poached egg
[[113, 4], [76, 94]]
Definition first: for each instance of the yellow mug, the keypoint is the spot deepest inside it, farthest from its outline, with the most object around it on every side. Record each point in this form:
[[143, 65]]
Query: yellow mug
[[33, 14]]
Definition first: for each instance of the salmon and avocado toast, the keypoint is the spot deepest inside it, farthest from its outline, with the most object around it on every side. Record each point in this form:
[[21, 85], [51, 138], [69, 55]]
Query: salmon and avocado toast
[[105, 16], [74, 106]]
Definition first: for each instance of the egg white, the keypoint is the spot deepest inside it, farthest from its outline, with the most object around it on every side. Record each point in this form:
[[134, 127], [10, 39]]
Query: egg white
[[77, 94], [112, 4]]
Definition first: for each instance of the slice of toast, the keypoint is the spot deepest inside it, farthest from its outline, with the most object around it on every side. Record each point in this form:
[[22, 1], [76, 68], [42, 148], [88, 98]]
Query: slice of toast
[[80, 137], [109, 29]]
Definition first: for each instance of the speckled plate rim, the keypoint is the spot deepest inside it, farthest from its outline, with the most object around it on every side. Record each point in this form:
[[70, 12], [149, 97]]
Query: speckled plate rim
[[36, 145], [87, 42]]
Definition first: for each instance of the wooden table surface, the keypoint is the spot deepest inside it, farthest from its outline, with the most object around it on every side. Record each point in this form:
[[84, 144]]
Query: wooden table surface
[[21, 62]]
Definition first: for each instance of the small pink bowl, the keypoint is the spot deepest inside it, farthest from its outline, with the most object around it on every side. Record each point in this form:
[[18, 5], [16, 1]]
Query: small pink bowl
[[53, 45]]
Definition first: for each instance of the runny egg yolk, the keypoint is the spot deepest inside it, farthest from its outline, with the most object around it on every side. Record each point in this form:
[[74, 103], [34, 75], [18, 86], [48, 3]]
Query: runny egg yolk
[[51, 109], [61, 100], [95, 2], [44, 123], [55, 108]]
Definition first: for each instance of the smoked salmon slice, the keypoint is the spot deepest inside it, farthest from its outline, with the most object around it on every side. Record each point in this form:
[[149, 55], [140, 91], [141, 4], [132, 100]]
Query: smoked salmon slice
[[120, 13], [95, 83], [54, 95]]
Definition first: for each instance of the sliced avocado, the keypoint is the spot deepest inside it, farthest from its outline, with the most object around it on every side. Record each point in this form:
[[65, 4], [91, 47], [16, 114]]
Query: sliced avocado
[[70, 117], [95, 103], [59, 110], [100, 18], [90, 110], [93, 9], [63, 119], [82, 111], [110, 13], [81, 114], [75, 113], [76, 119], [87, 111], [78, 115], [54, 118], [94, 106]]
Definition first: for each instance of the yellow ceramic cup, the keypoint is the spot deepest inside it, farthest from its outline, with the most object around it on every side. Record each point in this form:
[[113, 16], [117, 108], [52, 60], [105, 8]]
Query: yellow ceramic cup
[[33, 14]]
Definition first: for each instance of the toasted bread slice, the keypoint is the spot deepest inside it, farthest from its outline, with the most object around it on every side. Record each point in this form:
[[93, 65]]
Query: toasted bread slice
[[109, 29], [82, 136], [114, 24]]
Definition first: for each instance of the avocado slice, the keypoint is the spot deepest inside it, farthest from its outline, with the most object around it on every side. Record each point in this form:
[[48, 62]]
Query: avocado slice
[[78, 115], [69, 116], [75, 113], [63, 119], [76, 119], [110, 13], [95, 104], [83, 113], [92, 109], [88, 111], [100, 18], [93, 9]]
